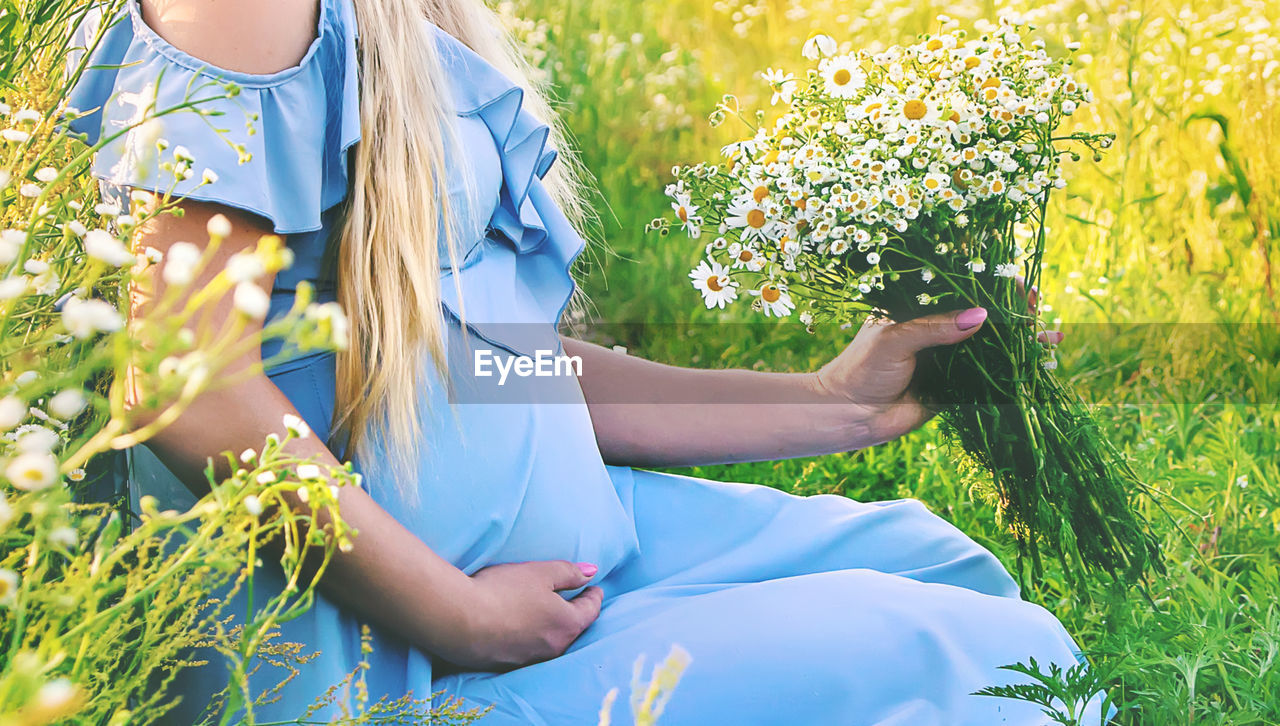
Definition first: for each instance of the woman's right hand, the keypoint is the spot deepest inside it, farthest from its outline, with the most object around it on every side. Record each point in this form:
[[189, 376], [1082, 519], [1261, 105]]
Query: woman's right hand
[[516, 615]]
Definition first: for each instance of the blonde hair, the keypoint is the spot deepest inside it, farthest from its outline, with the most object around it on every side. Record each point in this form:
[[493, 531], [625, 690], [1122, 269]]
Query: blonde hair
[[388, 260]]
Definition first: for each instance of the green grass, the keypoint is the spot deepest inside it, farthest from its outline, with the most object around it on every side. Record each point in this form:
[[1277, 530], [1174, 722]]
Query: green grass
[[1169, 220]]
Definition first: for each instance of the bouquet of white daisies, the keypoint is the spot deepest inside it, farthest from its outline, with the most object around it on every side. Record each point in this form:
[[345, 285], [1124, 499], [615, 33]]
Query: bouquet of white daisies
[[913, 181]]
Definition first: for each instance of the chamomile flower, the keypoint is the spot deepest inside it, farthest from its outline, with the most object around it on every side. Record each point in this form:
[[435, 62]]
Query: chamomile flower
[[751, 218], [713, 281], [687, 213], [842, 77], [819, 46], [745, 256], [774, 299], [782, 83]]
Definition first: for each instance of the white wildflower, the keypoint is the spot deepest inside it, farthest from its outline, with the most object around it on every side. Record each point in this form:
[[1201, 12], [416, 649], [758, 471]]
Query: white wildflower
[[68, 403], [102, 245], [32, 471], [251, 300]]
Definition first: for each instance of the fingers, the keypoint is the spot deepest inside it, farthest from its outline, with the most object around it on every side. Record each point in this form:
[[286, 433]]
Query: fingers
[[1051, 337], [565, 575], [586, 606], [1033, 297], [910, 337]]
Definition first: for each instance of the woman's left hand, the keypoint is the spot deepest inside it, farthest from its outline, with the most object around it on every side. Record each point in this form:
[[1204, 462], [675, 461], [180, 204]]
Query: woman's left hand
[[873, 374]]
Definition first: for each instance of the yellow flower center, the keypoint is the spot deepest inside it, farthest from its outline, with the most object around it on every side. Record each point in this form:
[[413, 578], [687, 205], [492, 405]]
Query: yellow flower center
[[755, 218], [683, 214], [841, 77], [934, 44], [914, 109], [746, 255], [713, 283], [972, 62], [991, 82], [759, 193], [770, 293]]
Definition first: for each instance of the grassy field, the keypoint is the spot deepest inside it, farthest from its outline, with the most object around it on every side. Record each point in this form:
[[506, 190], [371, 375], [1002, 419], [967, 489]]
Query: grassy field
[[1159, 269]]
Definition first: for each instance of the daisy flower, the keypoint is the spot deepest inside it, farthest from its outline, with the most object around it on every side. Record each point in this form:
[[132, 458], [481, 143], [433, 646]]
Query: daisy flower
[[687, 214], [750, 217], [712, 280], [774, 299], [842, 77], [745, 256], [782, 83]]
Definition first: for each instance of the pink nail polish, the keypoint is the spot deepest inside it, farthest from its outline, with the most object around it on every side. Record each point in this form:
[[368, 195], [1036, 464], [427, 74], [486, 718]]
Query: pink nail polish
[[971, 318], [588, 569]]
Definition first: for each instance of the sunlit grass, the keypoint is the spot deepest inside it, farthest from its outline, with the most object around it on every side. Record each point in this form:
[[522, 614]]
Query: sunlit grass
[[1169, 240]]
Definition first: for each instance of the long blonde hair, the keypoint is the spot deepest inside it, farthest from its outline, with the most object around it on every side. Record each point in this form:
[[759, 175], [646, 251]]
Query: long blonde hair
[[388, 266]]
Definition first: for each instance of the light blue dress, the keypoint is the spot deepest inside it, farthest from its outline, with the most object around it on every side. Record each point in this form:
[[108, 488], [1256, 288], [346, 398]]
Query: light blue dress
[[817, 610]]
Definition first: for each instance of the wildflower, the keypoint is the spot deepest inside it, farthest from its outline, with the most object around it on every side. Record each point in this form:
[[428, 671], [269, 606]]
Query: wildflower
[[56, 699], [32, 471], [976, 265], [102, 245], [842, 78], [926, 274], [251, 300], [82, 318], [687, 214], [751, 218], [308, 472], [1007, 269], [36, 438], [774, 299], [245, 267], [8, 587], [31, 191], [714, 283], [11, 241], [925, 298], [209, 176], [247, 455], [67, 403], [253, 505], [296, 426], [329, 317], [63, 537], [12, 411], [819, 46], [46, 174], [15, 136], [180, 264], [782, 83], [265, 478], [218, 227], [77, 474]]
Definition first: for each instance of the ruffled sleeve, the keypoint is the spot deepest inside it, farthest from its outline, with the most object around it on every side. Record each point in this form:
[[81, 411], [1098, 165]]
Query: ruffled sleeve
[[516, 283], [272, 144]]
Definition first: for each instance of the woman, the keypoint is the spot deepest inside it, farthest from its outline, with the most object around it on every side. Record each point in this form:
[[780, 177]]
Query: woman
[[508, 554]]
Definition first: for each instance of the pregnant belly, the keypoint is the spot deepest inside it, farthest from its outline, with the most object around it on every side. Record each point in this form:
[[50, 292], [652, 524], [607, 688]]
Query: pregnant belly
[[505, 482]]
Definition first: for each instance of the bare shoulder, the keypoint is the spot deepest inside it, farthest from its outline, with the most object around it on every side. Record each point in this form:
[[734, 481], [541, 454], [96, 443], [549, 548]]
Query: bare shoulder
[[247, 36]]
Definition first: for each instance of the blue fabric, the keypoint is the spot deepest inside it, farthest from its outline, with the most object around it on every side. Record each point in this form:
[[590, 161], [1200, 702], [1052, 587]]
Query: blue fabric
[[795, 610]]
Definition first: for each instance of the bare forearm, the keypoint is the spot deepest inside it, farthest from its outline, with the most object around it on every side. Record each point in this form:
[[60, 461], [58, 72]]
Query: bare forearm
[[390, 577], [650, 414]]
